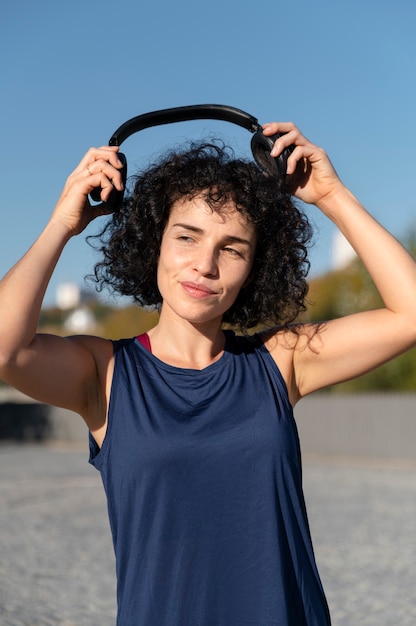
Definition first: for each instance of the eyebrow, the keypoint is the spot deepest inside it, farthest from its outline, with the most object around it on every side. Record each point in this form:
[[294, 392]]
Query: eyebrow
[[196, 229]]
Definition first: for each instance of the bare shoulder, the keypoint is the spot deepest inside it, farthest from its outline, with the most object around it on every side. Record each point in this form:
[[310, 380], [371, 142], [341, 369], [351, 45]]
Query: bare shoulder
[[102, 353], [100, 348], [283, 345]]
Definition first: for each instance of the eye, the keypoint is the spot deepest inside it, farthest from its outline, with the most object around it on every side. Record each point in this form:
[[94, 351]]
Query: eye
[[233, 252], [185, 238]]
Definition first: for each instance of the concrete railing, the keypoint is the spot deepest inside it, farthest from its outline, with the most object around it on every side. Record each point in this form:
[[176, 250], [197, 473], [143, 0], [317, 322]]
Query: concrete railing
[[375, 426], [358, 425]]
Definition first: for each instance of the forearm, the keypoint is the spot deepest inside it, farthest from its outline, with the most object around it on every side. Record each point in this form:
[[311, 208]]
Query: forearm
[[391, 267], [22, 290]]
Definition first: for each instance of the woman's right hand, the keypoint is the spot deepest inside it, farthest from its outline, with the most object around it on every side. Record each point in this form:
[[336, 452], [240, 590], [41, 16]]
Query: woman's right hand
[[100, 167], [311, 175]]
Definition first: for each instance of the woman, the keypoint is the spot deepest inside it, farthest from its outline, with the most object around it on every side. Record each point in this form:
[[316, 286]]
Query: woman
[[192, 426]]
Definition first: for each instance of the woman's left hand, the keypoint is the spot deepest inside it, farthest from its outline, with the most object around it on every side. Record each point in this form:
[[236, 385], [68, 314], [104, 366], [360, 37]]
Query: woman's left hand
[[311, 175]]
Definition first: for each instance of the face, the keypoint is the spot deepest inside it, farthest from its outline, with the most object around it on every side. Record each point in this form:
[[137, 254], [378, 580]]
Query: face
[[205, 259]]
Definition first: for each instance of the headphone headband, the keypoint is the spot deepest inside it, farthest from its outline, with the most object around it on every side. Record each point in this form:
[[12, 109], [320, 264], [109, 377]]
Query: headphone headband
[[260, 144], [184, 114]]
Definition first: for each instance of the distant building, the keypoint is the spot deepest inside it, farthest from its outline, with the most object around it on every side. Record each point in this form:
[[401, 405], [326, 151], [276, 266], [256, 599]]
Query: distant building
[[68, 296], [71, 298], [342, 251], [81, 320]]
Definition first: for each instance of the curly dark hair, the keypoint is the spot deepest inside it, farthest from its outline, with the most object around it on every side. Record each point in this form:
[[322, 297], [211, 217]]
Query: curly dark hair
[[130, 241]]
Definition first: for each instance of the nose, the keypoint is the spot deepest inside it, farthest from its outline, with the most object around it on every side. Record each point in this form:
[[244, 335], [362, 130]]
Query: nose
[[206, 262]]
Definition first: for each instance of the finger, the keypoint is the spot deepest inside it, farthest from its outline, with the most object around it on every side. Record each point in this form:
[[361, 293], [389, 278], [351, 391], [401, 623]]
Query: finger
[[296, 161], [308, 155], [105, 153], [105, 173], [271, 128], [290, 135], [285, 140], [100, 188]]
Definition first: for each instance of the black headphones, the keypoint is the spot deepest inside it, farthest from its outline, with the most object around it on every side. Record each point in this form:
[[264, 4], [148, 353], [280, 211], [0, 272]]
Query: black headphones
[[260, 144]]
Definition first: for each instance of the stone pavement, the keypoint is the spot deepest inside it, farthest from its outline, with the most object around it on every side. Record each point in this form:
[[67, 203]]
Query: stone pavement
[[57, 565]]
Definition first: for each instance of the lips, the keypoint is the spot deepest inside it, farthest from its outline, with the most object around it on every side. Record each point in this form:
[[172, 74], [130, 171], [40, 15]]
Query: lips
[[196, 290]]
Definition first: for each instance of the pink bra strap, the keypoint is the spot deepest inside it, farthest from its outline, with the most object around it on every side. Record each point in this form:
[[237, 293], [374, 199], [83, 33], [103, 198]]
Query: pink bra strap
[[145, 341]]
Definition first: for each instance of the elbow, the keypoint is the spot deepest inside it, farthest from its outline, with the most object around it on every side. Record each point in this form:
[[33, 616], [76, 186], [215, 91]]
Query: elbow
[[412, 325], [10, 362], [7, 366], [408, 332]]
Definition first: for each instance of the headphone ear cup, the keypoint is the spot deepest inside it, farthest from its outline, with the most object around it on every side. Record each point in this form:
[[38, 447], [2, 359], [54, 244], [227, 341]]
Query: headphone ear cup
[[261, 146], [115, 200]]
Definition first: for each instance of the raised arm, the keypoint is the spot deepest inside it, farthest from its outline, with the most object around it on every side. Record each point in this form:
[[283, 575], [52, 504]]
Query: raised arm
[[60, 371], [348, 347]]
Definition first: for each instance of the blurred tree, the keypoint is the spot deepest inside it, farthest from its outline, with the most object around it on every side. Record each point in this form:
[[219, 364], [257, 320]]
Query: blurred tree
[[110, 322], [127, 322]]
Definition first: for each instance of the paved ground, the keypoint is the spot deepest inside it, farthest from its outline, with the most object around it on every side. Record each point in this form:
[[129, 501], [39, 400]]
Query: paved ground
[[57, 566]]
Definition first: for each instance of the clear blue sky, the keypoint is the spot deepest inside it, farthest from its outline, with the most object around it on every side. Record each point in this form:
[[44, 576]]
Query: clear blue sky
[[72, 72]]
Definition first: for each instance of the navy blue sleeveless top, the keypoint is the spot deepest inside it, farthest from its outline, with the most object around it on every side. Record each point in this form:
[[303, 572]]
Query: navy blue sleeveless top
[[202, 472]]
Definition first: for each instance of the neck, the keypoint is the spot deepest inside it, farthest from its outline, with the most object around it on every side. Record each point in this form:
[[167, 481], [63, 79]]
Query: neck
[[184, 344]]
